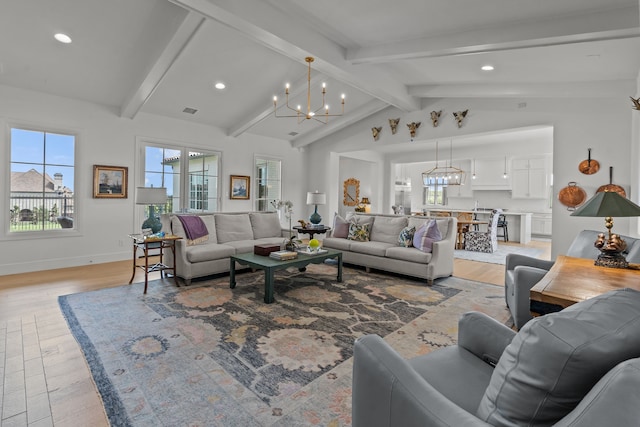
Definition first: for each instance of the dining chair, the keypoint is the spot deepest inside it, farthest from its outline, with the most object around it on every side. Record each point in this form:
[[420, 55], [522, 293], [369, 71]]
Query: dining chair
[[484, 241], [504, 224]]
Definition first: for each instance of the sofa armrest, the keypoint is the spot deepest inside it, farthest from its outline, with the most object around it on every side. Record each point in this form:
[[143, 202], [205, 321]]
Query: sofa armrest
[[387, 391], [285, 232], [483, 336]]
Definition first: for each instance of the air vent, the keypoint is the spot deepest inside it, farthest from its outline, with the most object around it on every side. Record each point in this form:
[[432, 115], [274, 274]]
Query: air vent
[[190, 110], [293, 133]]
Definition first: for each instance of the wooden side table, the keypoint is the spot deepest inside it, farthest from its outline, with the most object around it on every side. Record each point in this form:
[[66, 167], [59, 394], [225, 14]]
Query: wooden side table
[[311, 230], [147, 245]]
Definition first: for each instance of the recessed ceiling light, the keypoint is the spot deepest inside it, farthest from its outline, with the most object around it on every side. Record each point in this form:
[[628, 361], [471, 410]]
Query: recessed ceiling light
[[62, 38], [220, 85], [487, 68]]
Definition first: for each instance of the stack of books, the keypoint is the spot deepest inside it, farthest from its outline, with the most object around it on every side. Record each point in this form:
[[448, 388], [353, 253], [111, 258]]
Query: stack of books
[[283, 255]]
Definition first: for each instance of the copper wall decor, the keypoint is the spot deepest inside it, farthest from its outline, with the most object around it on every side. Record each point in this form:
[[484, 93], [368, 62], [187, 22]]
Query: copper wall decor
[[611, 186], [572, 196], [589, 166]]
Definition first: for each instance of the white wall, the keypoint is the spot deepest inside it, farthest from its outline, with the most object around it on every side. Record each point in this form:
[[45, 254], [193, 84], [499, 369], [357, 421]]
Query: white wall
[[106, 139], [605, 125], [362, 170]]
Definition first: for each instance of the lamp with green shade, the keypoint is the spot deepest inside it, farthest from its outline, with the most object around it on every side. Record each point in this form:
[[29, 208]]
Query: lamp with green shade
[[151, 196], [607, 204]]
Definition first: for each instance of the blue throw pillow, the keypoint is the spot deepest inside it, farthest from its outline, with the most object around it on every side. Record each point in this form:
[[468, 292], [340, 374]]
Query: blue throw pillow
[[405, 239]]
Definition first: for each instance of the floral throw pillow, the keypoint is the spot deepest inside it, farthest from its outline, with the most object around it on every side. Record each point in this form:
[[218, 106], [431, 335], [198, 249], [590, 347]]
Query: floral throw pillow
[[406, 237], [358, 232], [425, 236]]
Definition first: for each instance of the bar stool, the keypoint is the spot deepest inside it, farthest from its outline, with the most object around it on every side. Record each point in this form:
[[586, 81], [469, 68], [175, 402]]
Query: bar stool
[[504, 224]]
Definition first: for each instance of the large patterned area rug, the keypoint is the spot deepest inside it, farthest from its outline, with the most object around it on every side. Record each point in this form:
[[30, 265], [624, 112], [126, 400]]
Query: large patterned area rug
[[497, 257], [207, 355]]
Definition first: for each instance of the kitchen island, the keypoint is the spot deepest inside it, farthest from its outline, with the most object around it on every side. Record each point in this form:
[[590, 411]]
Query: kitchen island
[[519, 222]]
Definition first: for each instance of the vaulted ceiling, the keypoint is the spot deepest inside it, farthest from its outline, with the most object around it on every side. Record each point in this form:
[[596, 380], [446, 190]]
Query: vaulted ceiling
[[162, 56]]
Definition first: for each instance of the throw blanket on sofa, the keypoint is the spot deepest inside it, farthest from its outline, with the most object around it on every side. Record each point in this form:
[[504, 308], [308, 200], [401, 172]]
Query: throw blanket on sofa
[[194, 228]]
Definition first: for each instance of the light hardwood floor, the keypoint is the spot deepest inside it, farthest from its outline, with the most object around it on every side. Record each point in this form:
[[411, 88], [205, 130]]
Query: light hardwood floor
[[45, 378]]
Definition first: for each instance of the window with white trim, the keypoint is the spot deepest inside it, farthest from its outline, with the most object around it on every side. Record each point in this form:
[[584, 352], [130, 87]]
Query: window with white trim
[[268, 179], [41, 194], [197, 178]]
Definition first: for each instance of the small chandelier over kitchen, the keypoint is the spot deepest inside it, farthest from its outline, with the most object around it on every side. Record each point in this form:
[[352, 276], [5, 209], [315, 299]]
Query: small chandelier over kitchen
[[446, 175], [322, 117]]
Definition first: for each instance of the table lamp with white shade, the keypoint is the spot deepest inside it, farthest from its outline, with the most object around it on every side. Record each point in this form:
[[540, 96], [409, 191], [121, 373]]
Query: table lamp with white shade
[[316, 198], [151, 196], [607, 204]]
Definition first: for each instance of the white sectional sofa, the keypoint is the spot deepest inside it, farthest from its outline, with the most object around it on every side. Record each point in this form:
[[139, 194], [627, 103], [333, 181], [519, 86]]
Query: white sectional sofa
[[229, 234], [383, 252]]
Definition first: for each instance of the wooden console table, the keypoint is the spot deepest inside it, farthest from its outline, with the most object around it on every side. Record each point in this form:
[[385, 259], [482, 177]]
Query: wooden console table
[[572, 280]]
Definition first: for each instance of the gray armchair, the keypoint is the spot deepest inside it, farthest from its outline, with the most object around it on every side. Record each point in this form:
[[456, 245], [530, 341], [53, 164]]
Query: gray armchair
[[579, 367], [522, 272]]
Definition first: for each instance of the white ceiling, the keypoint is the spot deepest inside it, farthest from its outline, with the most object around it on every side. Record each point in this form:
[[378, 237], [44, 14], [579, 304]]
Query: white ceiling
[[160, 56]]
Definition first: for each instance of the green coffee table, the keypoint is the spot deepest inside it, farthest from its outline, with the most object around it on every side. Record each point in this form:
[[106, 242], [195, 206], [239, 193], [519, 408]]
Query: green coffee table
[[270, 265]]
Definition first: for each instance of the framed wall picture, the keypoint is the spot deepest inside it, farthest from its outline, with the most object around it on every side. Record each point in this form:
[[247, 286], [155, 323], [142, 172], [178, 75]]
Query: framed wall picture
[[239, 187], [110, 182]]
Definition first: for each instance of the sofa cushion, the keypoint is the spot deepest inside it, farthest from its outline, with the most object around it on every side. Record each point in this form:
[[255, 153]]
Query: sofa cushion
[[426, 235], [408, 254], [208, 252], [555, 359], [209, 221], [340, 227], [265, 224], [405, 239], [233, 227], [336, 243], [386, 229], [242, 246], [371, 248], [449, 370], [359, 232]]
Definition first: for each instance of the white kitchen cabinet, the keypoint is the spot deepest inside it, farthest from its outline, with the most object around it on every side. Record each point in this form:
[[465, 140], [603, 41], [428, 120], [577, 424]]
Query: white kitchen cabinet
[[529, 178], [459, 190], [490, 174], [541, 224]]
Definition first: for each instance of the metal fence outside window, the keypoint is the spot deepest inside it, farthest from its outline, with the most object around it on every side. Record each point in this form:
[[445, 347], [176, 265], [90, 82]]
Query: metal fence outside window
[[35, 213]]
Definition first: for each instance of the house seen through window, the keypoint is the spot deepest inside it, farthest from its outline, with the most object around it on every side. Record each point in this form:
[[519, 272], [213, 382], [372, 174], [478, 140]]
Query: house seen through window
[[41, 194], [192, 185]]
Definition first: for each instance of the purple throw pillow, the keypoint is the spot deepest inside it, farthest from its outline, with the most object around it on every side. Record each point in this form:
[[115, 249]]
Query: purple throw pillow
[[425, 236], [340, 227]]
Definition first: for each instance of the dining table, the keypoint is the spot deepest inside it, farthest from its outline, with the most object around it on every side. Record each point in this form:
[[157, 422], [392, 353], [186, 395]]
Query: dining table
[[463, 227]]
